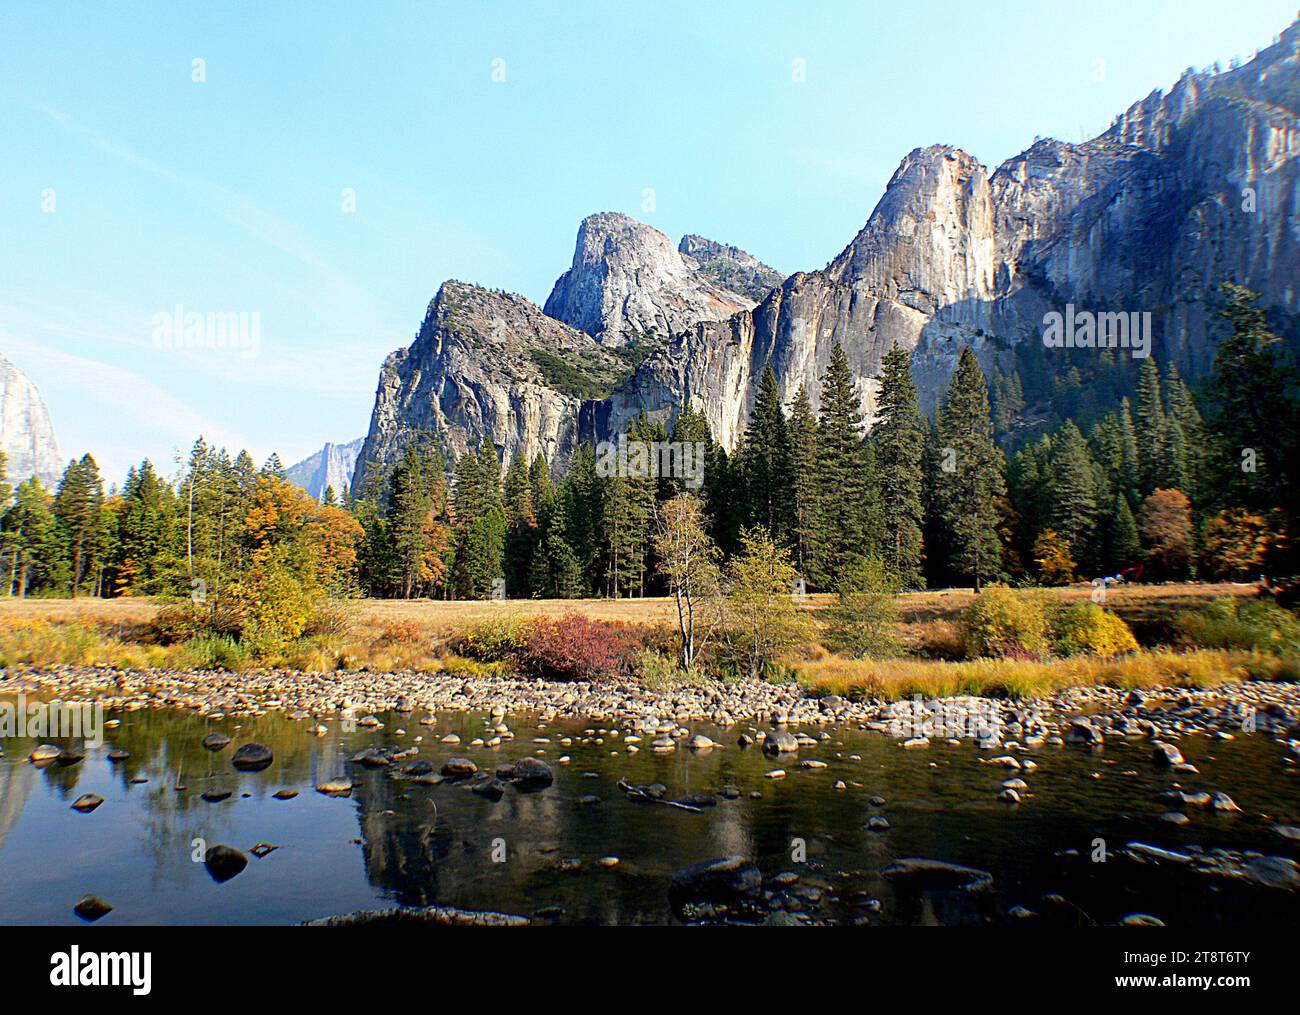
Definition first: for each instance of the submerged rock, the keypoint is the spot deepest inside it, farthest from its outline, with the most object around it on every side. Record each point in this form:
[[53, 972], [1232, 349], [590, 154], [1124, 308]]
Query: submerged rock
[[528, 774], [781, 742], [725, 881], [224, 863], [87, 802], [441, 916], [92, 908], [216, 741], [1166, 754], [252, 757], [924, 874]]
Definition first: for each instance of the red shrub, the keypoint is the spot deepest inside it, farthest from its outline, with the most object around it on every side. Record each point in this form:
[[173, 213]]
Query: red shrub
[[575, 647]]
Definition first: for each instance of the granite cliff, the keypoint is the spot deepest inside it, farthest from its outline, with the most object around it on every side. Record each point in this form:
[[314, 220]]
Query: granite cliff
[[1188, 188]]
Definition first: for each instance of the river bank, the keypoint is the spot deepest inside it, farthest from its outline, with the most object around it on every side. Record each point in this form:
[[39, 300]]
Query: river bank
[[1224, 709]]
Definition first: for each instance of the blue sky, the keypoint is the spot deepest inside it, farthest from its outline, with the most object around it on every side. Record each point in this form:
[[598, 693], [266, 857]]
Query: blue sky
[[227, 195]]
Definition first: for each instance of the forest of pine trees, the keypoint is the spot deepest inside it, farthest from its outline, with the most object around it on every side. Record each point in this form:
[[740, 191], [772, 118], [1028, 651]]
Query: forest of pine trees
[[1163, 483]]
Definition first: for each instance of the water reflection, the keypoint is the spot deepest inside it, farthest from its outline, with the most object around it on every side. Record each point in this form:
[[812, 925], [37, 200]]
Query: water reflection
[[402, 842]]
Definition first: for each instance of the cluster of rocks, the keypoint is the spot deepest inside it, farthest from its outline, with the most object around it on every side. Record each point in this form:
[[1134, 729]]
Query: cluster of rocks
[[1082, 715]]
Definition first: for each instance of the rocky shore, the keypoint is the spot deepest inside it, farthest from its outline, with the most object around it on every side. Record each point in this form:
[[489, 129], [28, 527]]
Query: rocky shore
[[1084, 716]]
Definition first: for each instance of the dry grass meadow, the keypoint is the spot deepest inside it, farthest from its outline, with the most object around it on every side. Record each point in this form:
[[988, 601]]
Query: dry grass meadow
[[414, 635]]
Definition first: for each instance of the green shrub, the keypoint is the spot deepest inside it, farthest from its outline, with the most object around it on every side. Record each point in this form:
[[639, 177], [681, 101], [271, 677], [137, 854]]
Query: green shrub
[[1234, 623], [501, 639], [1087, 629], [864, 620], [212, 652], [660, 672], [1004, 624]]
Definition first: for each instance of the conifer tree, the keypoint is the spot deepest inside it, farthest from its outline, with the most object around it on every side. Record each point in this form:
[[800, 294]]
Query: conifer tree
[[1073, 494], [1150, 426], [898, 439], [77, 505], [845, 492], [971, 473], [764, 458], [804, 481]]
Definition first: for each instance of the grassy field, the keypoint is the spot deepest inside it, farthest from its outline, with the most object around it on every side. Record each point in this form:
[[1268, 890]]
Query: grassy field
[[388, 636], [1137, 604]]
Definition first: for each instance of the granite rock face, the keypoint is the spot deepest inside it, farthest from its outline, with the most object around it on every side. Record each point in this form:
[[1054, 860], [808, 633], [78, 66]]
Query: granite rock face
[[1187, 189], [487, 364], [628, 282], [329, 468], [26, 434]]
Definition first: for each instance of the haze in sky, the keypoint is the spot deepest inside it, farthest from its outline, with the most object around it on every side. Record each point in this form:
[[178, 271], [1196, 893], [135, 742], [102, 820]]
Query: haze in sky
[[322, 169]]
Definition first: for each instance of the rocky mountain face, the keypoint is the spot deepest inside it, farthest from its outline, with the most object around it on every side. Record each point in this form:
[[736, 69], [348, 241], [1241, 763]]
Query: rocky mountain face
[[487, 363], [628, 283], [26, 434], [1187, 189], [329, 468]]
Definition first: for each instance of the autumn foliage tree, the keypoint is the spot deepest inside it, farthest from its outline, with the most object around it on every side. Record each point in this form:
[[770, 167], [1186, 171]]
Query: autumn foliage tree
[[1165, 526]]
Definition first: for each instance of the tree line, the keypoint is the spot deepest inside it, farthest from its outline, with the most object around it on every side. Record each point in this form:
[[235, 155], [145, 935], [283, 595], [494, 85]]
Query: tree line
[[1170, 483]]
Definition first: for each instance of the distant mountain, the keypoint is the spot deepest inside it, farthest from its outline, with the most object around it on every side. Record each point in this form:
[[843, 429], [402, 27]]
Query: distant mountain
[[26, 434], [1186, 190], [331, 466]]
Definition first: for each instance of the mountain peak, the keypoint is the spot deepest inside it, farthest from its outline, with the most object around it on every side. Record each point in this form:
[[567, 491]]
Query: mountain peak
[[628, 283]]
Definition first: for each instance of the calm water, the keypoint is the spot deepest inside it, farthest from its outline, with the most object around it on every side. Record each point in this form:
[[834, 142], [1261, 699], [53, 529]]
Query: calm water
[[396, 843]]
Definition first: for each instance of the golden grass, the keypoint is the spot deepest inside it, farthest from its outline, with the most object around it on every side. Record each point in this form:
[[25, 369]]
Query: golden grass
[[1015, 678], [400, 635], [440, 616]]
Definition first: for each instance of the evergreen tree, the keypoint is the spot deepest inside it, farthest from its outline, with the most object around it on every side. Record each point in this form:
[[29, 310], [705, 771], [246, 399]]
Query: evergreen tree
[[898, 439], [1073, 494], [1150, 427], [1251, 411], [77, 505], [845, 494], [804, 481], [521, 526], [31, 537], [971, 473], [764, 460]]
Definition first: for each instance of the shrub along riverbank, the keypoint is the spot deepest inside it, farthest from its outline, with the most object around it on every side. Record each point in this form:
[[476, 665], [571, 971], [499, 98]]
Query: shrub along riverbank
[[1005, 643]]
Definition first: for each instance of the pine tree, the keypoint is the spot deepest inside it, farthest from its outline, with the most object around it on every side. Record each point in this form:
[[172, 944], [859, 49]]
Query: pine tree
[[804, 481], [417, 509], [898, 439], [521, 526], [1073, 494], [846, 489], [1184, 437], [1250, 408], [77, 505], [30, 535], [971, 473], [478, 544], [1150, 426], [1126, 546], [764, 460]]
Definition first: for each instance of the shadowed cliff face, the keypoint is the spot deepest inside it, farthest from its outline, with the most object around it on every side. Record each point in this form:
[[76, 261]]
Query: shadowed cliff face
[[26, 434], [1186, 190]]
